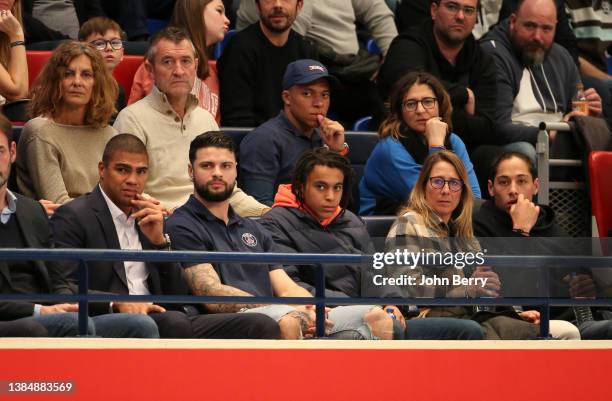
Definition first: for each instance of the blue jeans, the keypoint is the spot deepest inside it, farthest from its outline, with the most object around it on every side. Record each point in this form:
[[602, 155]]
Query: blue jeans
[[443, 328], [120, 325], [125, 325], [596, 330], [63, 324]]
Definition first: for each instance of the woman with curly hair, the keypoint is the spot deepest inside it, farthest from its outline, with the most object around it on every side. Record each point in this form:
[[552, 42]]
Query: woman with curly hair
[[73, 99], [419, 124]]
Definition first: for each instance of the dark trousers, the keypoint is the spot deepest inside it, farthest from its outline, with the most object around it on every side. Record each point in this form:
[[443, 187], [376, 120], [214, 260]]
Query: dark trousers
[[22, 328], [175, 324]]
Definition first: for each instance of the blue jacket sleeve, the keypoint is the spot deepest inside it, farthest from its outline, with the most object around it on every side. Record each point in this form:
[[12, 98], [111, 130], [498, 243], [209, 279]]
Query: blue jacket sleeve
[[391, 172]]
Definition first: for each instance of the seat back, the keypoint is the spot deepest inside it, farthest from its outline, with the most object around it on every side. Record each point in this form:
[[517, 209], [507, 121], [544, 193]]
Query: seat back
[[600, 165], [220, 46], [125, 70], [378, 227], [363, 124], [237, 134], [361, 144], [36, 61]]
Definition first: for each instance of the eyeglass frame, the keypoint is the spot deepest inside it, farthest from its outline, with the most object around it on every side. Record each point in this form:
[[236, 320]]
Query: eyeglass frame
[[416, 103], [106, 43], [447, 182], [468, 11]]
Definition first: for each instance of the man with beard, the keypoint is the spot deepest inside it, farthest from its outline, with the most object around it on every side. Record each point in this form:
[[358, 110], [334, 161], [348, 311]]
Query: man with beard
[[207, 222], [536, 78], [168, 119], [252, 66], [116, 215]]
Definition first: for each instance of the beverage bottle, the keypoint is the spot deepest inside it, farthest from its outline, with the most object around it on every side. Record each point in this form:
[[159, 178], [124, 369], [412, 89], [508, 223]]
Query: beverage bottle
[[579, 101], [582, 313]]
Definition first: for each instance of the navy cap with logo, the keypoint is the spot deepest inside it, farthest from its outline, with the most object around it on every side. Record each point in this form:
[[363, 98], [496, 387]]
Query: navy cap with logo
[[305, 71]]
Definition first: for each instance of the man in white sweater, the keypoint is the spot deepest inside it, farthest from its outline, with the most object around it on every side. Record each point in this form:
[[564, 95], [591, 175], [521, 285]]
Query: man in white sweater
[[169, 118]]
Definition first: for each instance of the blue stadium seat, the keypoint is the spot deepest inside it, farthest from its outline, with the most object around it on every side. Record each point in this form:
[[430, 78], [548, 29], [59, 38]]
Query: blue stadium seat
[[363, 124], [154, 25], [237, 134], [361, 144], [221, 45], [378, 227]]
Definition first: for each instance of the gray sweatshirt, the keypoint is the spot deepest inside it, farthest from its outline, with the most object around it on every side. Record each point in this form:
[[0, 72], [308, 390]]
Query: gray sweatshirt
[[527, 95]]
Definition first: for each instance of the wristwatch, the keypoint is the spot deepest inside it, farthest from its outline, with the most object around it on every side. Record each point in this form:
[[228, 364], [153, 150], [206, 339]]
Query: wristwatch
[[166, 244]]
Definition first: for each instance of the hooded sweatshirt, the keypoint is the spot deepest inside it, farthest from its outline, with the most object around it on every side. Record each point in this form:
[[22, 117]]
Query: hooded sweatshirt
[[417, 50], [544, 239], [295, 229], [528, 95]]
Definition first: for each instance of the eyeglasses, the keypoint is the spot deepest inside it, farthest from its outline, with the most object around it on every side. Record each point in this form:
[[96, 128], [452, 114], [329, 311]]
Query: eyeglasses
[[427, 103], [453, 184], [454, 9], [100, 44]]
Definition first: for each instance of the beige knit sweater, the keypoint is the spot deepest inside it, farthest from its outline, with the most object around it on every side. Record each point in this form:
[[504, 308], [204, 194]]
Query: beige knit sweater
[[59, 162]]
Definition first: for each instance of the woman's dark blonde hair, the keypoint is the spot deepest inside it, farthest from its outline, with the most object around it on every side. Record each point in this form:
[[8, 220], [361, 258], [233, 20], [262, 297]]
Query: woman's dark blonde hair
[[461, 217], [189, 15], [46, 92], [394, 123], [5, 48]]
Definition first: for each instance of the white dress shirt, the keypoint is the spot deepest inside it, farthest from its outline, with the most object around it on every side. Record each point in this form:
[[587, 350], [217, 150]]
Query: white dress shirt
[[125, 226]]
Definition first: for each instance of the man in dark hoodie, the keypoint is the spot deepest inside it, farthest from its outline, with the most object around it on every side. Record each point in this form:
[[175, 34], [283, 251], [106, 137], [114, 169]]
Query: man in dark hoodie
[[511, 213], [309, 216], [445, 47], [536, 78]]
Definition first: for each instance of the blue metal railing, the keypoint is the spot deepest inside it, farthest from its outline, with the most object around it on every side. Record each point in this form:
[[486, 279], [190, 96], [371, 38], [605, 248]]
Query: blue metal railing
[[319, 300]]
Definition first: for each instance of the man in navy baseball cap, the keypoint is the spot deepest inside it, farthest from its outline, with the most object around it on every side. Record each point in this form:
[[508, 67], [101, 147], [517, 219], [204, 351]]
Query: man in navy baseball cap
[[305, 71], [268, 154]]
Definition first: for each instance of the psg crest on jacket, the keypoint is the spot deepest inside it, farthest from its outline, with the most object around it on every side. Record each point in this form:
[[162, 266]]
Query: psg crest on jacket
[[249, 240]]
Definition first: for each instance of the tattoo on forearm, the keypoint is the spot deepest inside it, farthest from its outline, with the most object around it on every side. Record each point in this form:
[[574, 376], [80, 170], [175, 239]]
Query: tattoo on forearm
[[203, 280]]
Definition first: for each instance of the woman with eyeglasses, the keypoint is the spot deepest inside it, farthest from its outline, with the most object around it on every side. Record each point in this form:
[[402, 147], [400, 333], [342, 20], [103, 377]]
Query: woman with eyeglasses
[[73, 99], [206, 24], [418, 125], [439, 211], [13, 63], [438, 220]]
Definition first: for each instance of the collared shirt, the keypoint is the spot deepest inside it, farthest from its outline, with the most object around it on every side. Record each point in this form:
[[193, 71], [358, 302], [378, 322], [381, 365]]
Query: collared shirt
[[10, 208], [125, 226], [193, 227]]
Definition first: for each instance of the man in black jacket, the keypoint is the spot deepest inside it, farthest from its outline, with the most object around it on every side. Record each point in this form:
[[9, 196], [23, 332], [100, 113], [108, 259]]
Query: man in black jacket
[[116, 215], [252, 66], [445, 47], [512, 214]]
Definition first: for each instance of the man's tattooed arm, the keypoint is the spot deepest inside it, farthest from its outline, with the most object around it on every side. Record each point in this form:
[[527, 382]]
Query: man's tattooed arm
[[204, 280]]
